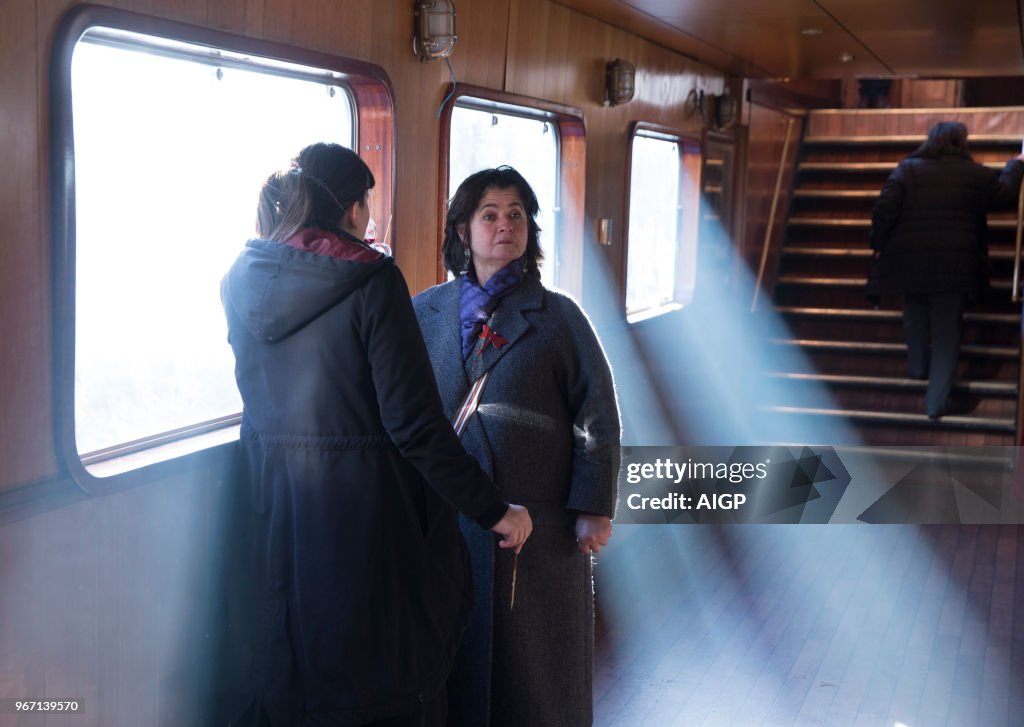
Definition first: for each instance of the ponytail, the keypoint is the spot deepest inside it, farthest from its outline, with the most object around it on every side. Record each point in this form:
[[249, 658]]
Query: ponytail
[[284, 206], [323, 182]]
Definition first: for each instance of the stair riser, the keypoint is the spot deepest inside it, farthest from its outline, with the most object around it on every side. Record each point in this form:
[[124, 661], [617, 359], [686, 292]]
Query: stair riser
[[855, 266], [839, 207], [891, 365], [853, 297], [812, 429], [860, 399], [895, 154], [892, 331]]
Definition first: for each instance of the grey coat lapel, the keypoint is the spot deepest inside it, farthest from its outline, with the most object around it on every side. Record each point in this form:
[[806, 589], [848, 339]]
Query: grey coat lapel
[[508, 322]]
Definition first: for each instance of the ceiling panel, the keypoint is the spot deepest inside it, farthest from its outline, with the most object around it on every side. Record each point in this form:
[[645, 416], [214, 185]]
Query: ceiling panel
[[764, 38]]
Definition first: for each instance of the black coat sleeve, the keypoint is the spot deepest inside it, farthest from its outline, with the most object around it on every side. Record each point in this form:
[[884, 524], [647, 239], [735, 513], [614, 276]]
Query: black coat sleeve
[[1006, 186], [410, 406], [887, 208]]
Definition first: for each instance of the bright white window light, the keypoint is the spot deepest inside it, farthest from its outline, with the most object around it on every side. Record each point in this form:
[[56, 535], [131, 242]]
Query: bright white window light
[[171, 148], [483, 139], [661, 251]]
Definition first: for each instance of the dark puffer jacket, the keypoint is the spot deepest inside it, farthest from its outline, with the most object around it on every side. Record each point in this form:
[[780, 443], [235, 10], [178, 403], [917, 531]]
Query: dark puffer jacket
[[930, 223], [354, 471]]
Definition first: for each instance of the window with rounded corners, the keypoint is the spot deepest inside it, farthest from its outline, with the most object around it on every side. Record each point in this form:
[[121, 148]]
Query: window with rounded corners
[[162, 135], [662, 219], [545, 142]]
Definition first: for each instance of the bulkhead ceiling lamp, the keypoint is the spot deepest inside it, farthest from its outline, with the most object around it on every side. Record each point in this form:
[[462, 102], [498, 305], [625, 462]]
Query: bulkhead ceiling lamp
[[435, 29], [619, 82]]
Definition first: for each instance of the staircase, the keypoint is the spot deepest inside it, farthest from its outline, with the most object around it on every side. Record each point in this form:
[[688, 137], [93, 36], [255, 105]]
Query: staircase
[[839, 375]]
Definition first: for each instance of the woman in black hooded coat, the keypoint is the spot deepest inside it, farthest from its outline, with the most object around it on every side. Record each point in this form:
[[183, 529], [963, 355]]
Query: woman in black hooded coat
[[355, 472], [928, 230]]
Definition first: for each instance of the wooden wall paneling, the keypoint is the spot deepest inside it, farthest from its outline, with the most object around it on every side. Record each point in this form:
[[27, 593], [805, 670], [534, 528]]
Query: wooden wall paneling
[[920, 93], [20, 273], [277, 20], [409, 94], [226, 15], [512, 38], [420, 170], [606, 174], [187, 11], [528, 66], [556, 54], [138, 6], [498, 43], [767, 131], [479, 57], [255, 11], [312, 26], [347, 28]]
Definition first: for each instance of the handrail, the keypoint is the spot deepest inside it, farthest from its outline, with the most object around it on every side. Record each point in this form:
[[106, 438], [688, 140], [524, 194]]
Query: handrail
[[771, 215], [1015, 293]]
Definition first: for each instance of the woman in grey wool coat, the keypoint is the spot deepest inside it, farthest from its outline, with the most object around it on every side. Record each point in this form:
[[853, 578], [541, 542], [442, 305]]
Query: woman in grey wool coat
[[547, 430]]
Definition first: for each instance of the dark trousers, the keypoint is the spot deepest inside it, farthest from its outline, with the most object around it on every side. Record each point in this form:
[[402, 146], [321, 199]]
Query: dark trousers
[[932, 323], [432, 714]]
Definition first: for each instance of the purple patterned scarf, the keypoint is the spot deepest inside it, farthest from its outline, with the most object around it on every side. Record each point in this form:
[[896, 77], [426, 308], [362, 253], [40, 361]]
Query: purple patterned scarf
[[476, 302]]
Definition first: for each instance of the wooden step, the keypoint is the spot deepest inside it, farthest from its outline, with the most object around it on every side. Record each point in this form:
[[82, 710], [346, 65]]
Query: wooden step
[[835, 194], [861, 252], [874, 347], [980, 388], [815, 281], [868, 314], [863, 166], [988, 424], [995, 223], [805, 251], [952, 455]]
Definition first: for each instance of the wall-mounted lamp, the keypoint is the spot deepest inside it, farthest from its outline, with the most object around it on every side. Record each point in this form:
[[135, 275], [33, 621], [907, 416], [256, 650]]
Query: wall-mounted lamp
[[619, 82], [435, 29]]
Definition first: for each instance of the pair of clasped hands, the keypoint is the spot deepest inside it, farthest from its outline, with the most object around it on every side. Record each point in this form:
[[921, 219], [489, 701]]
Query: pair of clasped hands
[[592, 531]]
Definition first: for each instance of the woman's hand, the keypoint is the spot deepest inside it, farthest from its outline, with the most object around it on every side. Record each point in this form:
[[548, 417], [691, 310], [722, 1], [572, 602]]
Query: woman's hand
[[515, 527], [592, 532]]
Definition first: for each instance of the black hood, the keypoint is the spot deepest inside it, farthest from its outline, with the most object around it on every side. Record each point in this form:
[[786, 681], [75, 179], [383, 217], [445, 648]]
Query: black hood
[[275, 289]]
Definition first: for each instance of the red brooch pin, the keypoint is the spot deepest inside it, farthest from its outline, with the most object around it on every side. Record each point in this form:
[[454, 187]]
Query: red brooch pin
[[491, 336]]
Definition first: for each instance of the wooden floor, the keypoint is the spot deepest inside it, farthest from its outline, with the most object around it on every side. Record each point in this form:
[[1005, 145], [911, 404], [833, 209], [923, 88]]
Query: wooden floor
[[811, 625]]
